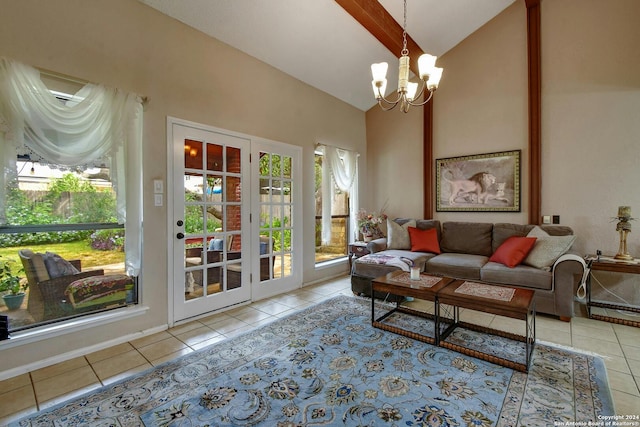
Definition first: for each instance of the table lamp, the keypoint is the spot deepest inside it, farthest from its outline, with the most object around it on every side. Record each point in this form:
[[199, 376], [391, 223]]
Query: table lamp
[[624, 228]]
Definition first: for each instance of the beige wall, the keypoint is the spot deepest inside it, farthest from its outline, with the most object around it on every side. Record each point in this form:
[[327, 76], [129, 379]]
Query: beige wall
[[590, 119], [185, 74]]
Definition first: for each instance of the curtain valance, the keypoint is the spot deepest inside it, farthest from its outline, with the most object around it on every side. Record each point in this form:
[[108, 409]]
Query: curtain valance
[[97, 126]]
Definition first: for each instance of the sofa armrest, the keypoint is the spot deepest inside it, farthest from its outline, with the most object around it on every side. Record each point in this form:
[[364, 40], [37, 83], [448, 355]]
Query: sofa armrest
[[377, 245], [568, 272]]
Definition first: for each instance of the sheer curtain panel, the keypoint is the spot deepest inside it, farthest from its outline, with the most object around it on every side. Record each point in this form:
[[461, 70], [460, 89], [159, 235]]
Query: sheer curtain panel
[[97, 125], [341, 166]]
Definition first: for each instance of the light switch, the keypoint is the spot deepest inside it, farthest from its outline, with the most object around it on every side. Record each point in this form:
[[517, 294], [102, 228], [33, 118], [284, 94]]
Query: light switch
[[157, 200], [158, 187], [546, 219]]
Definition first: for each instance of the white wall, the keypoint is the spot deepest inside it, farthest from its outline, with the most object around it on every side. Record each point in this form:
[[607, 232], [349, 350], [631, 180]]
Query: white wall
[[590, 117], [184, 74]]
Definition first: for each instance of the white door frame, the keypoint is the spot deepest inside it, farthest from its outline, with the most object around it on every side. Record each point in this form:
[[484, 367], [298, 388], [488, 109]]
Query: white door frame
[[294, 281], [179, 307]]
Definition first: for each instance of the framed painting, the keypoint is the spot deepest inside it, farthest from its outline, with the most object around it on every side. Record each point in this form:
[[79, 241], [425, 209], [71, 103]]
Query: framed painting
[[479, 183]]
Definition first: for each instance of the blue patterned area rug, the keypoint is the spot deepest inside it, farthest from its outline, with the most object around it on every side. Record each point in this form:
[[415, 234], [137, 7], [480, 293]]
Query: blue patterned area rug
[[326, 365]]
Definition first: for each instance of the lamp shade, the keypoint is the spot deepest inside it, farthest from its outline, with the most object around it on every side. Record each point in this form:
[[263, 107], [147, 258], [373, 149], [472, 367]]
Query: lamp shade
[[379, 71], [379, 88], [412, 88], [426, 63], [434, 78]]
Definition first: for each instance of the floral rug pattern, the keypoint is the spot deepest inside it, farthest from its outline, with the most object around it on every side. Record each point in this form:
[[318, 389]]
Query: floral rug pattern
[[326, 365]]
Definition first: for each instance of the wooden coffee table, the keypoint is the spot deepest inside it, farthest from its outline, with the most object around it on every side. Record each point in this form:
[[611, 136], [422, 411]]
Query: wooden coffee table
[[501, 300], [399, 283]]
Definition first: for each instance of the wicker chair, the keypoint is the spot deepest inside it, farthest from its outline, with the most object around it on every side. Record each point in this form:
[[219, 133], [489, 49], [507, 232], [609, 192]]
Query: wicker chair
[[46, 295]]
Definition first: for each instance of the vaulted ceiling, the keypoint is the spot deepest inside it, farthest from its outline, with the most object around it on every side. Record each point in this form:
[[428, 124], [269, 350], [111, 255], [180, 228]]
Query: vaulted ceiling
[[320, 43]]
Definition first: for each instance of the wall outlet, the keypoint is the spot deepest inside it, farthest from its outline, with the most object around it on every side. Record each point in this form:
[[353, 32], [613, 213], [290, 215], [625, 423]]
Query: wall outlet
[[556, 219], [546, 219]]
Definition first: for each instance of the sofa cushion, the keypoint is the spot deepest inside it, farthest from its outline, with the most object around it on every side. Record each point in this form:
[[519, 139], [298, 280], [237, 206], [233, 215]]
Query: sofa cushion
[[427, 224], [467, 238], [513, 251], [398, 235], [547, 248], [460, 266], [502, 231], [521, 276], [424, 240]]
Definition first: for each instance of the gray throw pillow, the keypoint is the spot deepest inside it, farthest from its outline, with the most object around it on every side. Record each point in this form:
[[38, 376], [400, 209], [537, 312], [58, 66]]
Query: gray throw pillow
[[547, 248], [58, 266], [398, 235]]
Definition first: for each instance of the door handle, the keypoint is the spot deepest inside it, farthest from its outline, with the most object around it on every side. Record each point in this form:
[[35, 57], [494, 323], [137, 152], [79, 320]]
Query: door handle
[[180, 236]]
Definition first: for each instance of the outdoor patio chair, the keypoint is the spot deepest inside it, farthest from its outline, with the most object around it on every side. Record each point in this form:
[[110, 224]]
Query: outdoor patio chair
[[234, 272], [47, 298]]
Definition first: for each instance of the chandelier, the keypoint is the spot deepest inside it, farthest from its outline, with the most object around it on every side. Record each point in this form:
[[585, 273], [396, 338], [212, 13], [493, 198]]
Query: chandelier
[[407, 91]]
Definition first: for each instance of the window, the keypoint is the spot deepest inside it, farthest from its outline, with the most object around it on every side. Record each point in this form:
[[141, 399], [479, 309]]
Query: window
[[335, 195], [70, 197]]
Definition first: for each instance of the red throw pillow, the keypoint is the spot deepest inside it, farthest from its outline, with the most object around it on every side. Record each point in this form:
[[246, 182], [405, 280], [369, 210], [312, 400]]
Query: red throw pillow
[[424, 240], [513, 251]]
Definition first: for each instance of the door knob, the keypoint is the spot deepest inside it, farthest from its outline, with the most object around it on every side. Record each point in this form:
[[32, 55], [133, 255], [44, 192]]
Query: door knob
[[180, 223], [180, 236]]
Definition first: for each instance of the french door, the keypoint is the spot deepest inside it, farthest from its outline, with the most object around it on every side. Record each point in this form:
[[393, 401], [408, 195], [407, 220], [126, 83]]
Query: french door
[[277, 201], [236, 219], [211, 220]]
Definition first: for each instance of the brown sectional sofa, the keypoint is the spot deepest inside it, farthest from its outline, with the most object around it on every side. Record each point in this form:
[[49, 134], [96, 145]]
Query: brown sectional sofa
[[465, 251]]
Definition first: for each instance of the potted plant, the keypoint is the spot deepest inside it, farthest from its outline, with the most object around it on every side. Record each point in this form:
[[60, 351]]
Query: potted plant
[[12, 286]]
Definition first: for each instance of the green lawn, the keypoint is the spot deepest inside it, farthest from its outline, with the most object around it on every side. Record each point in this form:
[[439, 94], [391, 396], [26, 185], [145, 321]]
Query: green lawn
[[71, 250]]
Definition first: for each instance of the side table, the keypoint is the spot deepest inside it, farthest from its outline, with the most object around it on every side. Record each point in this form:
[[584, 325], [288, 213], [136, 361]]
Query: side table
[[609, 264], [356, 250]]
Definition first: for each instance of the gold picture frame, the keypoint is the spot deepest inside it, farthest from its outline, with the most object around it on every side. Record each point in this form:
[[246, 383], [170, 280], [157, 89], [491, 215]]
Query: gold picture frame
[[479, 183]]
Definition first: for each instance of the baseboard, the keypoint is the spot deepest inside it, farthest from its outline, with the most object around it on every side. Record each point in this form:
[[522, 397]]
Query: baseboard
[[59, 358]]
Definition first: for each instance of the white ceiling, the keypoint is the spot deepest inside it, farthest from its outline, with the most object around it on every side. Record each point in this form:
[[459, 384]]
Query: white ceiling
[[318, 42]]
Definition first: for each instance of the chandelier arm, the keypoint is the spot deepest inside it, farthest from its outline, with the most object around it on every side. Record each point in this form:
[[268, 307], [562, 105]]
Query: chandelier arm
[[419, 104], [392, 105], [381, 98], [423, 85]]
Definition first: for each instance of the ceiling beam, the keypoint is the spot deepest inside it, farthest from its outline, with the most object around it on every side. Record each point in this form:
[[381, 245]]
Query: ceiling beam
[[375, 19]]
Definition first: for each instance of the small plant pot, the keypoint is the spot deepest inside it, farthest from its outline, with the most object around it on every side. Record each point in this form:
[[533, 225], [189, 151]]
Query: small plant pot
[[13, 302]]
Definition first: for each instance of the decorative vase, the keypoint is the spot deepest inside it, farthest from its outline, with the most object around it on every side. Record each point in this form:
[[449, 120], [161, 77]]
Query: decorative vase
[[367, 237], [13, 302]]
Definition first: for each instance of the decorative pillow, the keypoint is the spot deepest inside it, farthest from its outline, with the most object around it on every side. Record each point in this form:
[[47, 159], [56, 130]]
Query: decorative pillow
[[513, 251], [398, 235], [58, 266], [424, 240], [547, 248]]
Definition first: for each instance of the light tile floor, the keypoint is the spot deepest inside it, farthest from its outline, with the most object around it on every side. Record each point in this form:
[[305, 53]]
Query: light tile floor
[[619, 345]]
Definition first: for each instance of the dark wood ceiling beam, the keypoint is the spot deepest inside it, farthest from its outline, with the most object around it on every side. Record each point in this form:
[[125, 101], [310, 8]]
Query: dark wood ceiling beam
[[375, 19]]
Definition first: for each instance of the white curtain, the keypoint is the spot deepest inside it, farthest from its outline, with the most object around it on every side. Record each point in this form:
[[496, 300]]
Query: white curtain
[[339, 166], [98, 125]]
